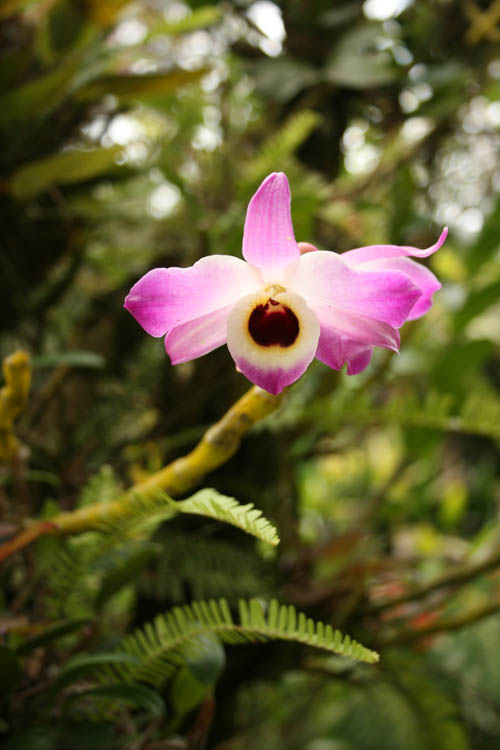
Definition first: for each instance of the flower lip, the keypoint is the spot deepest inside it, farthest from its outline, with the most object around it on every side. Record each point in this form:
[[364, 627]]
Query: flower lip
[[273, 324], [272, 367]]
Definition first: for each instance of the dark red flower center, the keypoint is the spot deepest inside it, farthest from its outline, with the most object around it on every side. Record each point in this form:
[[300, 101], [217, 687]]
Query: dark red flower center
[[273, 324]]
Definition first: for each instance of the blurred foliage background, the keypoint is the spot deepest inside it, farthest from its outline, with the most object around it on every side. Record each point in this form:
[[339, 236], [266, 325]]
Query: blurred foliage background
[[132, 136]]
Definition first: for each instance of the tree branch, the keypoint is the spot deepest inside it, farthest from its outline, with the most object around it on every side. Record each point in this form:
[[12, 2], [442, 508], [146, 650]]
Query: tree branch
[[217, 445], [443, 626], [457, 575]]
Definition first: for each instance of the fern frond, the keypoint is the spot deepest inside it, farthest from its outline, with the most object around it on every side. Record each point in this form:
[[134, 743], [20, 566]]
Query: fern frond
[[208, 570], [101, 487], [435, 709], [159, 647], [71, 585], [280, 145], [140, 519], [85, 571], [212, 504], [148, 511], [479, 414]]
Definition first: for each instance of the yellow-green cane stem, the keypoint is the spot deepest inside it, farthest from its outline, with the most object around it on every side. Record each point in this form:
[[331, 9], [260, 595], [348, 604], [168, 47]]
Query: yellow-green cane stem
[[13, 400], [217, 445]]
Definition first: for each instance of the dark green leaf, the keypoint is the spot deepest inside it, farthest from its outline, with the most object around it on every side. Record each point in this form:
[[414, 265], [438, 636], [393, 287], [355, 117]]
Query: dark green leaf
[[52, 633], [206, 658], [207, 15], [187, 691], [357, 61], [79, 666], [63, 168], [136, 86], [47, 91], [282, 79], [69, 359], [139, 696]]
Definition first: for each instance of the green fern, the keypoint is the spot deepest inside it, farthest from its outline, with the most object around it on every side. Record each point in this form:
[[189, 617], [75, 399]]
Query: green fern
[[479, 414], [435, 709], [280, 146], [84, 571], [206, 571], [148, 511], [103, 486], [211, 504], [69, 578], [159, 647]]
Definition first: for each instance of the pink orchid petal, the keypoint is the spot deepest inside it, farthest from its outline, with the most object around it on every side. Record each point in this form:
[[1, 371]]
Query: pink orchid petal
[[197, 337], [272, 367], [330, 349], [335, 350], [276, 379], [358, 328], [167, 297], [322, 277], [358, 362], [421, 276], [268, 238], [376, 252]]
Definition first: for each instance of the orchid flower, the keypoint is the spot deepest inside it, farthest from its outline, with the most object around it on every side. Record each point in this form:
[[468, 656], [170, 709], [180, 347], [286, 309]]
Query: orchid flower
[[287, 302]]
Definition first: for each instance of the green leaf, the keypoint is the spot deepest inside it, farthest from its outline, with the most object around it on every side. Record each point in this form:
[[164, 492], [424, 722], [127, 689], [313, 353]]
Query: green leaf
[[186, 692], [200, 18], [43, 94], [76, 358], [206, 658], [75, 668], [58, 630], [137, 86], [140, 696], [63, 168], [358, 63], [284, 78]]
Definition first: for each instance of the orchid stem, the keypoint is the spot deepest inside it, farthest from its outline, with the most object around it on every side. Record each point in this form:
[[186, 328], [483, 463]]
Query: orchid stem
[[217, 445]]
